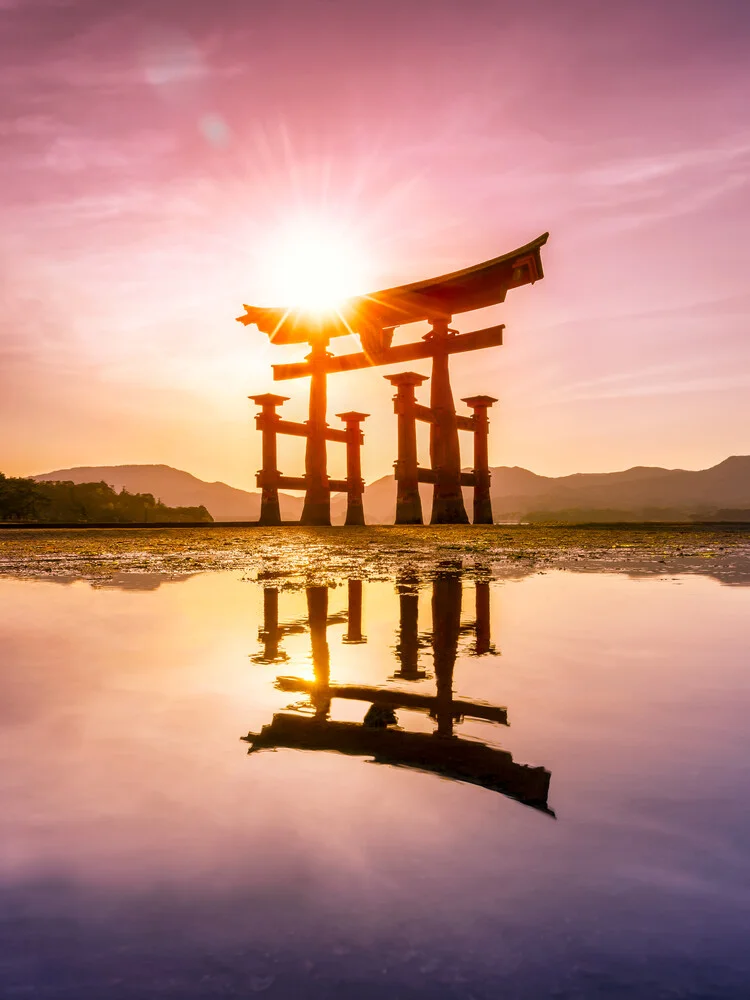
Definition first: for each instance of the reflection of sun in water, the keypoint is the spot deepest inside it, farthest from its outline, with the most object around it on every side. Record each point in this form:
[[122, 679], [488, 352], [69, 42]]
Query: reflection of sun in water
[[315, 265]]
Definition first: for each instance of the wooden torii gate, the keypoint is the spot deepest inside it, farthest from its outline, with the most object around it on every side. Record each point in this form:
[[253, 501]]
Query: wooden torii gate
[[374, 318]]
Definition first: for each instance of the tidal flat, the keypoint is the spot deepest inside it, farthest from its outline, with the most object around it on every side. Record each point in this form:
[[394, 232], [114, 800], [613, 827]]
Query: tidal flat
[[318, 555]]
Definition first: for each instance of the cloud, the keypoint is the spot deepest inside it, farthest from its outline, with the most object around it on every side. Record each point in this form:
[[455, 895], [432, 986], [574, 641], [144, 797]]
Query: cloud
[[643, 170], [659, 380], [630, 192]]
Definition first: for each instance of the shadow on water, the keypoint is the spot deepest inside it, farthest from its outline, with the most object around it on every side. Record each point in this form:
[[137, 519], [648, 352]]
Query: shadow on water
[[309, 725]]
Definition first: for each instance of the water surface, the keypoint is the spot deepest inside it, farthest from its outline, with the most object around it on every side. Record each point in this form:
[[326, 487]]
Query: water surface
[[216, 787]]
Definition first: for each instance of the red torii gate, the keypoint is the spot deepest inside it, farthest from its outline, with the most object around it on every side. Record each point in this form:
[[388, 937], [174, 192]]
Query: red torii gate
[[374, 318]]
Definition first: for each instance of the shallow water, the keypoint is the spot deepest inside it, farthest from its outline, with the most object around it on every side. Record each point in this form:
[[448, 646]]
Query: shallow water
[[525, 788]]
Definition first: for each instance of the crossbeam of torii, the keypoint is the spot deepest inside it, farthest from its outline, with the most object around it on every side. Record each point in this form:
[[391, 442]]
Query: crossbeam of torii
[[374, 318]]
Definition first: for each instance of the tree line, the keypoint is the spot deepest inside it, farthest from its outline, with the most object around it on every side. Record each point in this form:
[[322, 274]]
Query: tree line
[[28, 500], [643, 515]]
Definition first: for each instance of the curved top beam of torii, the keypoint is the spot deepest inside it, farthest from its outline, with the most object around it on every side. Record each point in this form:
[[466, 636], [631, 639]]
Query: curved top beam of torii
[[461, 291]]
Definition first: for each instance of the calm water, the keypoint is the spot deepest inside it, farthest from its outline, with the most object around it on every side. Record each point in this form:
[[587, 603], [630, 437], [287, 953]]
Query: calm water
[[532, 788]]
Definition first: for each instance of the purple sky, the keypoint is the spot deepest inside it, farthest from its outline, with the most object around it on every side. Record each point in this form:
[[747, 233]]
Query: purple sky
[[150, 149]]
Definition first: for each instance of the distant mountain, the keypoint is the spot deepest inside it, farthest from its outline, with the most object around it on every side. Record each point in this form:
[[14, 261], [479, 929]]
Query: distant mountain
[[177, 489], [639, 490], [642, 491]]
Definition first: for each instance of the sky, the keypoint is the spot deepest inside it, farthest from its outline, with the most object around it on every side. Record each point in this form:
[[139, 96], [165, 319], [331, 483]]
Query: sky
[[159, 156]]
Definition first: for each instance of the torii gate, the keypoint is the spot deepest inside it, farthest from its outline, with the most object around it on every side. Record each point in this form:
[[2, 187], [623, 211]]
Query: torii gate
[[374, 318]]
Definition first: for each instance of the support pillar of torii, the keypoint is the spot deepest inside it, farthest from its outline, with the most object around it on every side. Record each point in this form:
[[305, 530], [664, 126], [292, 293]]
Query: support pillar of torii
[[480, 419], [267, 422], [408, 502], [355, 485]]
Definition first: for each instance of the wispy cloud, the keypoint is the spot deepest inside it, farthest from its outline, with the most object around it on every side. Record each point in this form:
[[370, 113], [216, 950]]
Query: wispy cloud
[[629, 192], [633, 171], [662, 380]]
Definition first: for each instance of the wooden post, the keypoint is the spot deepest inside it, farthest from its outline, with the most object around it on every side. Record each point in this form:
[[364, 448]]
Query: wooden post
[[268, 477], [408, 503], [355, 486], [317, 617], [407, 648], [317, 506], [446, 624], [354, 613], [445, 455], [482, 501], [270, 634], [482, 598]]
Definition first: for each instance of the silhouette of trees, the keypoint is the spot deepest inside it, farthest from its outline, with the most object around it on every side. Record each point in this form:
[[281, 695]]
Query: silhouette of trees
[[605, 515], [27, 500], [18, 498]]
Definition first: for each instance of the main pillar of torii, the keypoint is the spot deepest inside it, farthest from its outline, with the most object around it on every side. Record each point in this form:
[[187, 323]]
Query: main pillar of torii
[[374, 318], [445, 454]]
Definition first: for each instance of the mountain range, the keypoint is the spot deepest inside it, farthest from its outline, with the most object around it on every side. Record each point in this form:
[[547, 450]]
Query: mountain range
[[177, 489], [647, 493]]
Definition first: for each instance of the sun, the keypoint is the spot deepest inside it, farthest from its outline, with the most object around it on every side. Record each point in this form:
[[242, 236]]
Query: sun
[[315, 264]]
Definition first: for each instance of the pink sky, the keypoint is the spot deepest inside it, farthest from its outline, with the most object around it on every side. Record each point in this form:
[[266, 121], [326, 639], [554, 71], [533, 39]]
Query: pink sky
[[151, 149]]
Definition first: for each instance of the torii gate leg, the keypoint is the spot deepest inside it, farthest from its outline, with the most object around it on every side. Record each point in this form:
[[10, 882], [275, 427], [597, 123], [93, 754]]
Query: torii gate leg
[[407, 647], [445, 455], [354, 613], [408, 502], [317, 616], [271, 617], [355, 486], [446, 624], [482, 598], [270, 634], [317, 507], [268, 478], [482, 501]]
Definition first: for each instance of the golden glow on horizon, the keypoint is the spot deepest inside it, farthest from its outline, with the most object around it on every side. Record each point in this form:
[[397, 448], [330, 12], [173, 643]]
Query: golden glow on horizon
[[315, 265]]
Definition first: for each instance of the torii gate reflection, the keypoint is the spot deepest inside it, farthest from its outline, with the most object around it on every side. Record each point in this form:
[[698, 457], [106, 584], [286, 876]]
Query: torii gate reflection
[[309, 726]]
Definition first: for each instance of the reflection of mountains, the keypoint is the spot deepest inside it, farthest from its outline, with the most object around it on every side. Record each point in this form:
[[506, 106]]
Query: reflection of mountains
[[131, 581], [141, 581], [308, 725]]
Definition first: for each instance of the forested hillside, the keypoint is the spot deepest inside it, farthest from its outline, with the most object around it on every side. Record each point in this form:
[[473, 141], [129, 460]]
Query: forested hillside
[[28, 500]]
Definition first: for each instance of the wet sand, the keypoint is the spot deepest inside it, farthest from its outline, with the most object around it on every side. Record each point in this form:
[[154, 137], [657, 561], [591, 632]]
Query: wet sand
[[315, 555]]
